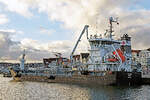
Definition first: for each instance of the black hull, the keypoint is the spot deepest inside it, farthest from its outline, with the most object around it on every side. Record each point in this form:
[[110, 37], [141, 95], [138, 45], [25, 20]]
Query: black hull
[[128, 78]]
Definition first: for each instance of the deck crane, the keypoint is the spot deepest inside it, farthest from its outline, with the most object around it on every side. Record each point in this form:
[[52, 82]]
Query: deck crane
[[83, 31]]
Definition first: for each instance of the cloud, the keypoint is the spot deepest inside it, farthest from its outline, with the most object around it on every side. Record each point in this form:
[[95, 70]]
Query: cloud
[[7, 46], [35, 50], [46, 31], [3, 19], [8, 31], [74, 14], [136, 24], [17, 6]]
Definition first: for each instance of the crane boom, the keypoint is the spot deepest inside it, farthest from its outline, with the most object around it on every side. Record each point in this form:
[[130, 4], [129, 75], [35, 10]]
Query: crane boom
[[85, 28]]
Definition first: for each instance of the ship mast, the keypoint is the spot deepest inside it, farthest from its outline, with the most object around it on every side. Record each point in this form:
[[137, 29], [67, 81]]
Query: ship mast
[[111, 21], [22, 61]]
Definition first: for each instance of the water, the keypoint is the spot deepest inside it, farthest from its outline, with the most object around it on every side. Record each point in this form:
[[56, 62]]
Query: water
[[50, 91]]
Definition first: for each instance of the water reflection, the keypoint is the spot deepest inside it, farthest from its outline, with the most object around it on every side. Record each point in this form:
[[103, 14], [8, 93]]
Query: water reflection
[[47, 91], [119, 93]]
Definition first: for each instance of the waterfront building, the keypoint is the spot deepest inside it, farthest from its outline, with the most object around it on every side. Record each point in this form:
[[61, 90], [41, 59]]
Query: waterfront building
[[142, 57]]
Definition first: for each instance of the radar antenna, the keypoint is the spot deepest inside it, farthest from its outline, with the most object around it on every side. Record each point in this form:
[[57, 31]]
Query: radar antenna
[[112, 20]]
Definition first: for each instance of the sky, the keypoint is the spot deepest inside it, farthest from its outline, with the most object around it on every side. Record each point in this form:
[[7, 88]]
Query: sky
[[43, 27]]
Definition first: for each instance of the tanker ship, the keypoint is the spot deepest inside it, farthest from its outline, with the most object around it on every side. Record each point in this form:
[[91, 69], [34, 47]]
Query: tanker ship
[[109, 63]]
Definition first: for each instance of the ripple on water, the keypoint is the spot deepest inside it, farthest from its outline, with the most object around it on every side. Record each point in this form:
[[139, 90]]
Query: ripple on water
[[50, 91], [40, 91]]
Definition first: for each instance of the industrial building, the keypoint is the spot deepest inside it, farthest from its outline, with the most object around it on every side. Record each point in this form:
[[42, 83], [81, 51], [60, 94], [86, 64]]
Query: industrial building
[[142, 57]]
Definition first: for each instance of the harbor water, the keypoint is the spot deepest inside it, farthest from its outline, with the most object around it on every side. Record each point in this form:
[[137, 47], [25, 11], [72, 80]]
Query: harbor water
[[10, 90]]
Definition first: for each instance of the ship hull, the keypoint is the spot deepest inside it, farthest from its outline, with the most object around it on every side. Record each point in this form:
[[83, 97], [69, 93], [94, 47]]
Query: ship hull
[[128, 78], [75, 79], [113, 78]]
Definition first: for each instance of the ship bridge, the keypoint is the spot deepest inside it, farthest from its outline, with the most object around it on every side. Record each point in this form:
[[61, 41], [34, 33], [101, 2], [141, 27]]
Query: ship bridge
[[108, 54], [102, 41]]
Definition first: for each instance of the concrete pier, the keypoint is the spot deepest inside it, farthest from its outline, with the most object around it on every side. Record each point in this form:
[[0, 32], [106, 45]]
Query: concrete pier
[[146, 79]]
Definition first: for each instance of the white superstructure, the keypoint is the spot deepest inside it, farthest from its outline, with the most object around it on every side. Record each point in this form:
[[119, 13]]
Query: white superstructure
[[107, 54]]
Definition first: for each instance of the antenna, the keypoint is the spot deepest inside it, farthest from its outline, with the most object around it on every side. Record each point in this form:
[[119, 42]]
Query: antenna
[[112, 20], [23, 56], [105, 33], [97, 22]]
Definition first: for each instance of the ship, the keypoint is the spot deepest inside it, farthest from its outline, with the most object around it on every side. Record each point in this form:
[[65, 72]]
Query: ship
[[109, 63]]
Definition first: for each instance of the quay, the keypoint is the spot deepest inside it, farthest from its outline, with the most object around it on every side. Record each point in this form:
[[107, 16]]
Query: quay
[[146, 79]]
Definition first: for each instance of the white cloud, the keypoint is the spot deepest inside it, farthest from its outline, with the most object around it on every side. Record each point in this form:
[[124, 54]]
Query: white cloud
[[11, 50], [7, 46], [14, 34], [18, 6], [3, 19], [38, 51], [53, 46], [12, 31], [74, 14], [46, 31]]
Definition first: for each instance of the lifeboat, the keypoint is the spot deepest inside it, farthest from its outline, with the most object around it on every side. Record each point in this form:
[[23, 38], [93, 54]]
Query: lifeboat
[[120, 54], [112, 59]]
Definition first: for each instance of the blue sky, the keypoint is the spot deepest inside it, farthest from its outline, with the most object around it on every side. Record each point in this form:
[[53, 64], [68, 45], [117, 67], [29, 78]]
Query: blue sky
[[144, 4], [44, 26], [31, 26]]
